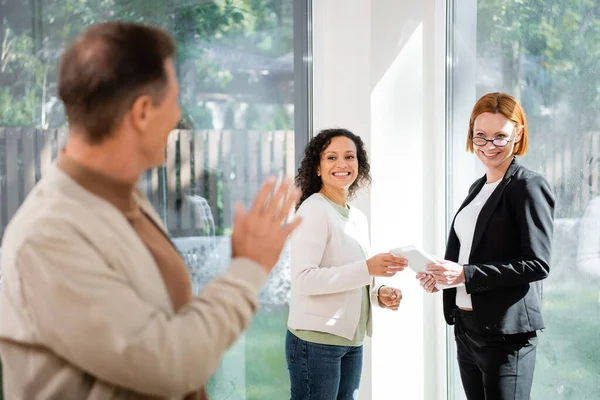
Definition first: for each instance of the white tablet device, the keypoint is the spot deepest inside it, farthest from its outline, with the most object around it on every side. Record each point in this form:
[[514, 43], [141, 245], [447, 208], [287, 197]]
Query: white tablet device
[[418, 261], [417, 258]]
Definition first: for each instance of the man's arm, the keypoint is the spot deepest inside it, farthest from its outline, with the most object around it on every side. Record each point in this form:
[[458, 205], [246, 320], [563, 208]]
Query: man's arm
[[89, 314]]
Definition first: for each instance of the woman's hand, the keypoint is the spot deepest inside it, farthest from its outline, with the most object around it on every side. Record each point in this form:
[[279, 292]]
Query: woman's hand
[[386, 264], [446, 272], [389, 297], [427, 281]]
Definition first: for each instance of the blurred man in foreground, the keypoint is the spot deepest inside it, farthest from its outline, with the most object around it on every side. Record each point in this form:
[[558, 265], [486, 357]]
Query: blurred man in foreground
[[96, 301]]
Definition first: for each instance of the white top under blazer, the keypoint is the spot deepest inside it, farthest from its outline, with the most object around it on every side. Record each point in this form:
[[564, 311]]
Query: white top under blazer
[[464, 226]]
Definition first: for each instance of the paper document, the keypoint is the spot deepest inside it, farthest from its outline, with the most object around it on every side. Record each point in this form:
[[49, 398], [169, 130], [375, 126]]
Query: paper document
[[418, 261]]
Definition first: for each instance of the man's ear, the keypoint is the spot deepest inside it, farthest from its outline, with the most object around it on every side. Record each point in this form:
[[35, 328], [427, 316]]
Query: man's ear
[[140, 112]]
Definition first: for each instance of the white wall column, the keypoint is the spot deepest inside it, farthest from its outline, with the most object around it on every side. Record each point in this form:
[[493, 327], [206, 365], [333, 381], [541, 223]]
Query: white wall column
[[408, 191], [379, 71]]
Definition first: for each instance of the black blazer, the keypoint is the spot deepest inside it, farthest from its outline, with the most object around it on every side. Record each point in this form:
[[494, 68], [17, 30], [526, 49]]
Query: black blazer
[[510, 254]]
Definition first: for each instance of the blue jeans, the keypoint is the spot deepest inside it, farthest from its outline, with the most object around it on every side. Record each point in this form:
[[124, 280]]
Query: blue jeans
[[322, 371]]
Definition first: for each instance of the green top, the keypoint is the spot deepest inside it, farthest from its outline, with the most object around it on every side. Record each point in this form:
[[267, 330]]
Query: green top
[[365, 313]]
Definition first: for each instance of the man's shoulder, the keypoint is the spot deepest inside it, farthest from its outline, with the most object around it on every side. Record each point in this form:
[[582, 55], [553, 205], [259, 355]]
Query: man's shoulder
[[47, 210]]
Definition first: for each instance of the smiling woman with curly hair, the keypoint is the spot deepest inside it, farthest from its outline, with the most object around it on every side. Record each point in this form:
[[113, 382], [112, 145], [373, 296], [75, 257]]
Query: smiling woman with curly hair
[[332, 275], [308, 179]]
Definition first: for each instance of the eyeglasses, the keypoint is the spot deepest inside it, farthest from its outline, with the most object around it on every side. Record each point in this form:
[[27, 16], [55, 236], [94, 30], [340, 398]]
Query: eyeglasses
[[498, 142]]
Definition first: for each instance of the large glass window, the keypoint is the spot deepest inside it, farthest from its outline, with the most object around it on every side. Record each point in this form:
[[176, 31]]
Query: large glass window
[[244, 76], [547, 54]]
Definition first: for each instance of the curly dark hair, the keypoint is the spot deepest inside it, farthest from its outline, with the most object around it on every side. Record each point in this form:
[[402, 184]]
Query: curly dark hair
[[307, 179]]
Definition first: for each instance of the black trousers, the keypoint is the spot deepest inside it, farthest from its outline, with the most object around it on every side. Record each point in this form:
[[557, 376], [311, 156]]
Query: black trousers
[[494, 366]]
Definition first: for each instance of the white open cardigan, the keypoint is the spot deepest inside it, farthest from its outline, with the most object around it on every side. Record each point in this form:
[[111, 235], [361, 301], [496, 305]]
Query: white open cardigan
[[329, 269]]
